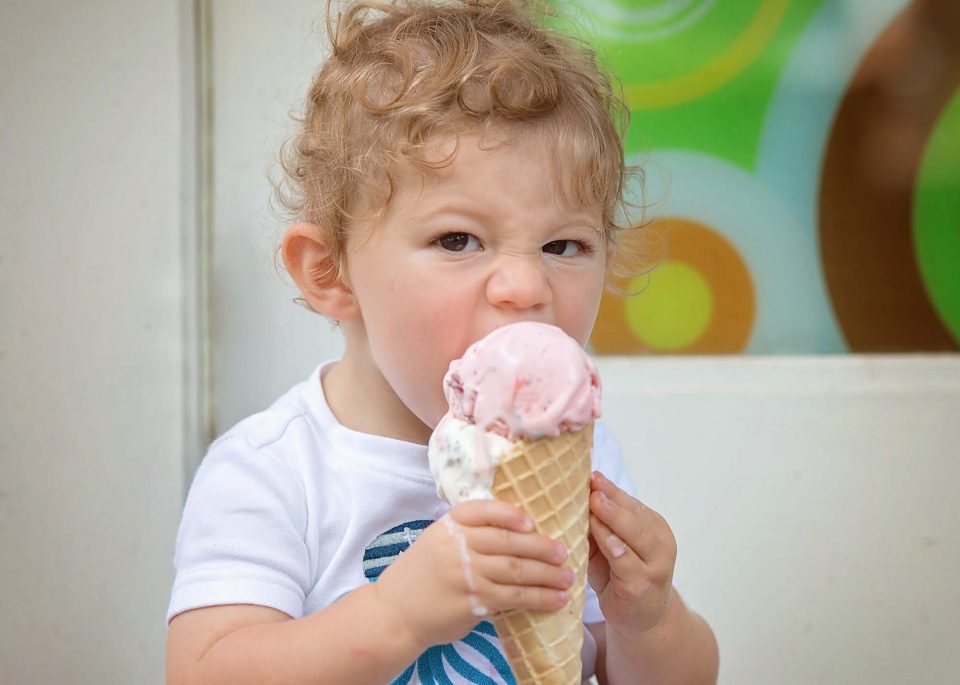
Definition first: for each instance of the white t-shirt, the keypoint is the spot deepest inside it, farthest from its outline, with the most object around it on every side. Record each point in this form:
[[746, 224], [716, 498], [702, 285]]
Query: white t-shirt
[[292, 510]]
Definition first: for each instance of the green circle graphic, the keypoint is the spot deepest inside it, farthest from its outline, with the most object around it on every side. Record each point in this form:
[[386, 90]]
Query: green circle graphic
[[936, 217], [697, 74], [652, 42]]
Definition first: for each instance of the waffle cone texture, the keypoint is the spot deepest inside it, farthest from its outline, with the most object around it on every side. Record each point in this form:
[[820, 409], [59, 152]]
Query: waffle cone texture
[[549, 478]]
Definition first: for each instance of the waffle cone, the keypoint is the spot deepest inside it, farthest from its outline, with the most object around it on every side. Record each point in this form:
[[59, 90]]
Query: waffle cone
[[549, 478]]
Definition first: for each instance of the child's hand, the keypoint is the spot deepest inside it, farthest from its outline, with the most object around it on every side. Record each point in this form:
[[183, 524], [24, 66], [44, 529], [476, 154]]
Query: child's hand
[[632, 556], [480, 558]]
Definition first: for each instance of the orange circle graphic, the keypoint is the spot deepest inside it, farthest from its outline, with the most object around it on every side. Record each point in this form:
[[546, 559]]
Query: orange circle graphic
[[721, 266]]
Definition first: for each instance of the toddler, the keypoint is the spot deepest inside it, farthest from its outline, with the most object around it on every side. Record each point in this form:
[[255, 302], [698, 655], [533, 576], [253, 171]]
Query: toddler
[[459, 167]]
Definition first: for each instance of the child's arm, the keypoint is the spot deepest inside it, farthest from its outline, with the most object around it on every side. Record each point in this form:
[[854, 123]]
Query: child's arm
[[649, 636], [253, 644], [482, 553], [681, 650]]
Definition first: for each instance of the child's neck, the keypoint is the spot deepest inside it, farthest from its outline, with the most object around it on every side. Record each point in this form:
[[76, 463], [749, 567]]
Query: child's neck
[[362, 400]]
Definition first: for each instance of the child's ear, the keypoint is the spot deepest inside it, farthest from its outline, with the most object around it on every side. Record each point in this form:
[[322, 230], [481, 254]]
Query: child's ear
[[314, 268]]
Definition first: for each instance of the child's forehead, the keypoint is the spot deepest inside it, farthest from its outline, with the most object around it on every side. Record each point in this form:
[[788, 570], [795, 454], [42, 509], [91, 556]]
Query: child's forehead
[[456, 163], [461, 155]]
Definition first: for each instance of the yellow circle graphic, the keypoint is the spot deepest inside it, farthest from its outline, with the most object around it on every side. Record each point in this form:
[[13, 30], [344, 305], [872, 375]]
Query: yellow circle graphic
[[700, 299], [674, 309], [746, 48]]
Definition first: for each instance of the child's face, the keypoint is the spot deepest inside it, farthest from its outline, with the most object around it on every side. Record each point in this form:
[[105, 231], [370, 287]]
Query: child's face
[[472, 247]]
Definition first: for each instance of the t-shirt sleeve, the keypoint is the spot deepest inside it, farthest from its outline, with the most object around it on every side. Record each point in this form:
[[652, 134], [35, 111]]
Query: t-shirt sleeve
[[241, 537], [608, 461]]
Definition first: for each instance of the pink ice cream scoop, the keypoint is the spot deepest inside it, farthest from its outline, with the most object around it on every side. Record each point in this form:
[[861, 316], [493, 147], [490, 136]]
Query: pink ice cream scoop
[[524, 380]]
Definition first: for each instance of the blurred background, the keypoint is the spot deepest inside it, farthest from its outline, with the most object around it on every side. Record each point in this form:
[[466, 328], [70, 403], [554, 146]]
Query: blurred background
[[786, 386]]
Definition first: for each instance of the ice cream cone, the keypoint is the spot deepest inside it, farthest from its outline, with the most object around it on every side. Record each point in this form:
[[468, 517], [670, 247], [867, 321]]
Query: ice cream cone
[[518, 383], [549, 478]]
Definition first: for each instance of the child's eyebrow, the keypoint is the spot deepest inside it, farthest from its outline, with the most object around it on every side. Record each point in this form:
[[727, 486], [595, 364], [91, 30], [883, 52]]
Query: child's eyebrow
[[569, 220], [468, 210]]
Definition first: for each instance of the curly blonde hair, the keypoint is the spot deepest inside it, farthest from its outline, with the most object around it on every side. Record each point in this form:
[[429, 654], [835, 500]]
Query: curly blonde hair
[[402, 74]]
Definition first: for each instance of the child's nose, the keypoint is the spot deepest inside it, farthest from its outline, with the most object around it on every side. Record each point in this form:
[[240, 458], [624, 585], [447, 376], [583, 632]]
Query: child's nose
[[520, 282]]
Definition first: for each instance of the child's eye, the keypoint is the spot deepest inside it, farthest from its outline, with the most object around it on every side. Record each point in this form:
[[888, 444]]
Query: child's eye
[[458, 242], [565, 248]]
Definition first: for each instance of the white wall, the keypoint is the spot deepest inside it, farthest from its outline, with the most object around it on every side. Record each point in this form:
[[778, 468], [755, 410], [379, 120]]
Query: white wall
[[814, 503], [92, 352], [261, 56]]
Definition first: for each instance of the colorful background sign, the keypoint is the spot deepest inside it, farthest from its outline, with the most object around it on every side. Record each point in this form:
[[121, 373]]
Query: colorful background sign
[[802, 173]]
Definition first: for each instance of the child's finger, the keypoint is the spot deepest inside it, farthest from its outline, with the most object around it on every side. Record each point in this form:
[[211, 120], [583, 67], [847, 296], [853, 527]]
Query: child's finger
[[509, 597], [514, 571], [610, 489], [641, 528], [491, 512], [624, 562], [494, 541], [598, 568]]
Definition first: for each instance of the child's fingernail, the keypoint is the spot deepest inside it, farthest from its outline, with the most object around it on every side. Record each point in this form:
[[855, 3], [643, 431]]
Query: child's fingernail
[[528, 523], [568, 576], [617, 548], [604, 501], [563, 597], [561, 553]]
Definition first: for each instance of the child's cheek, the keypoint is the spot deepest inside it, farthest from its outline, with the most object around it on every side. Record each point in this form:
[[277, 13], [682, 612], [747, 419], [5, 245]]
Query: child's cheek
[[413, 362]]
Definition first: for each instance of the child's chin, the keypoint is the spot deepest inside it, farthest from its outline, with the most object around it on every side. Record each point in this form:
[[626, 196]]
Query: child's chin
[[432, 412], [433, 419]]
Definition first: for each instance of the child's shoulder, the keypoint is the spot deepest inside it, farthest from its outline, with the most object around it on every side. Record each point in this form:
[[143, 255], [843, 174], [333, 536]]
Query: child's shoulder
[[285, 427], [269, 456], [269, 425]]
